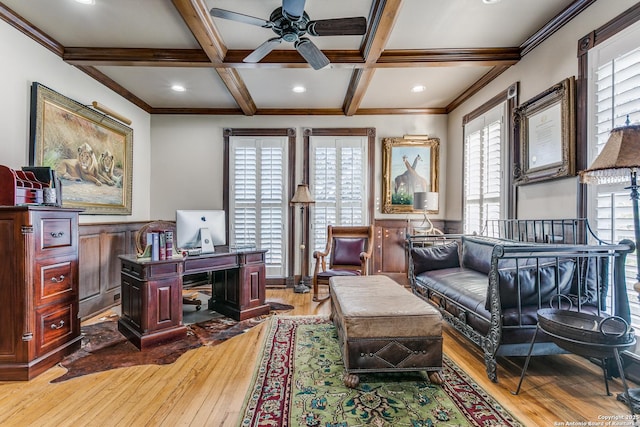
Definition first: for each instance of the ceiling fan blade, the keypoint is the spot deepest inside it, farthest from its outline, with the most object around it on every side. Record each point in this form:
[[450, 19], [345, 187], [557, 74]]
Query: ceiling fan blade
[[355, 26], [294, 9], [311, 53], [262, 50], [239, 17]]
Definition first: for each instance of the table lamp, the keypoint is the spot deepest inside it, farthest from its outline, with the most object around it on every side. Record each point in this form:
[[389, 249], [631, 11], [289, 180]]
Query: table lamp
[[427, 201]]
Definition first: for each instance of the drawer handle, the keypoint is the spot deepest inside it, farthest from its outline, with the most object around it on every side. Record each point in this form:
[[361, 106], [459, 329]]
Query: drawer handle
[[58, 279], [60, 325], [57, 235]]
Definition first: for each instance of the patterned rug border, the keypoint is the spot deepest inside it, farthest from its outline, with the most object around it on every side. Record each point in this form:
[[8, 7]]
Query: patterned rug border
[[453, 387]]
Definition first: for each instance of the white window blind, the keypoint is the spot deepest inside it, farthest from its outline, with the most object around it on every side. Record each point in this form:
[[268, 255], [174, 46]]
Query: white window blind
[[614, 96], [338, 171], [483, 160], [258, 205]]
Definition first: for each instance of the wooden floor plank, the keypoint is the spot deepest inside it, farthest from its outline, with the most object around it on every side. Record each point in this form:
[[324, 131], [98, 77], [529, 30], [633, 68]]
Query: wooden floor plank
[[207, 386]]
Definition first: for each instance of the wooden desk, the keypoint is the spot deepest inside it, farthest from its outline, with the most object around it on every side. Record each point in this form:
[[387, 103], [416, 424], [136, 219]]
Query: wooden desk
[[152, 292]]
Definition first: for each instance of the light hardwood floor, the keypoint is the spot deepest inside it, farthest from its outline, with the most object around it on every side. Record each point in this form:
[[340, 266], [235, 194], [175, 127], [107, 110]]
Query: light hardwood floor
[[206, 386]]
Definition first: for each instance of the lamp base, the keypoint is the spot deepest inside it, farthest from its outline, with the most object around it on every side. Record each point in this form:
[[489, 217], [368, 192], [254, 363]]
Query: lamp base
[[300, 288]]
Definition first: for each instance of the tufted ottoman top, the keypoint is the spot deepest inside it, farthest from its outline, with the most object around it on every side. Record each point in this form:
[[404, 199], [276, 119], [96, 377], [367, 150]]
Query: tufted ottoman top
[[376, 306]]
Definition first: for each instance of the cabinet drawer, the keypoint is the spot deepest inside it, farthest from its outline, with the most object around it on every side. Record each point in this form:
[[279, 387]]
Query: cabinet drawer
[[55, 281], [56, 233], [55, 326]]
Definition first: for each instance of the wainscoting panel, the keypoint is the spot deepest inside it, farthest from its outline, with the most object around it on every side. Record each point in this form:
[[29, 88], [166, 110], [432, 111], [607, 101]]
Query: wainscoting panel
[[100, 245]]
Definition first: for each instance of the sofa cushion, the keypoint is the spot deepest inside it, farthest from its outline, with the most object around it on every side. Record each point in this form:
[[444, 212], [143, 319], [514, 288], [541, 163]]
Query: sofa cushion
[[464, 286], [435, 257], [519, 286]]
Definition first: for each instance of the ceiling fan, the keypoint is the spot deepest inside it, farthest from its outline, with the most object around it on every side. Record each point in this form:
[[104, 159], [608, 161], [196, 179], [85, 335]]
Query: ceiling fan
[[290, 22]]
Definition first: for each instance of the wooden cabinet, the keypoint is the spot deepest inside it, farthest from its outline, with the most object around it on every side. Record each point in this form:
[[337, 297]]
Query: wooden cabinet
[[389, 253], [39, 289]]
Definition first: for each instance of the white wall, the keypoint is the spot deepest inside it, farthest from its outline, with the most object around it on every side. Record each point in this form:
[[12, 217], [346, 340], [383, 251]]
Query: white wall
[[24, 62], [187, 153], [548, 64]]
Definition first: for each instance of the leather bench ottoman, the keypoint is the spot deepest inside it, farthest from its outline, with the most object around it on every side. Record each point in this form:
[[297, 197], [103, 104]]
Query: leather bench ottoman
[[383, 327]]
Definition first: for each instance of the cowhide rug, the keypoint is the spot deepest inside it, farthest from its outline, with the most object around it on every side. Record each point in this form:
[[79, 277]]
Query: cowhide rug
[[104, 347]]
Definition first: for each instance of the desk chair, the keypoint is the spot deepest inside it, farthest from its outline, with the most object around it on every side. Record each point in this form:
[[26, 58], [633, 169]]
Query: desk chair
[[188, 298], [348, 250]]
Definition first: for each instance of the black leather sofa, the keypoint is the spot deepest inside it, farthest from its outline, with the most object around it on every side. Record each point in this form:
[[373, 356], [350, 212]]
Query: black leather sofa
[[491, 289]]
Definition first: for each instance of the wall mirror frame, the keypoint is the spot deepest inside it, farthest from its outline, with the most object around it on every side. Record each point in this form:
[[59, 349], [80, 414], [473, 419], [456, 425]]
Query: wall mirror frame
[[408, 165], [545, 132]]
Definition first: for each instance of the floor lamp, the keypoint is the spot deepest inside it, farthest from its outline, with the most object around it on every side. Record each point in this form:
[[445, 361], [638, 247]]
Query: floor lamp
[[426, 201], [619, 161], [303, 199]]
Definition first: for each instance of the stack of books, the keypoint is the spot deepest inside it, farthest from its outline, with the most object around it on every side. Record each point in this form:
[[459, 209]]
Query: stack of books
[[159, 245]]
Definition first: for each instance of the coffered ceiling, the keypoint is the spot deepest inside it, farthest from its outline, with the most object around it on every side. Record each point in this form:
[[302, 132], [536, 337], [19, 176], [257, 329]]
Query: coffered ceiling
[[141, 48]]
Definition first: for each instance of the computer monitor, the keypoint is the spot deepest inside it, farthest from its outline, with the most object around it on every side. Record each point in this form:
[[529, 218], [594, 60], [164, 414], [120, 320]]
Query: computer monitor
[[203, 229]]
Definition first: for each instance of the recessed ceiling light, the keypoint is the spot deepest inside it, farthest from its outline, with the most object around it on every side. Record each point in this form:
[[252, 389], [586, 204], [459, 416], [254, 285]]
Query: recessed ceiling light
[[418, 88], [178, 88], [86, 1], [490, 1], [299, 89]]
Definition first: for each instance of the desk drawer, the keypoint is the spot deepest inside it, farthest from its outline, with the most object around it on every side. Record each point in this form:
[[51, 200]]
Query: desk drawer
[[55, 326], [196, 264], [55, 281]]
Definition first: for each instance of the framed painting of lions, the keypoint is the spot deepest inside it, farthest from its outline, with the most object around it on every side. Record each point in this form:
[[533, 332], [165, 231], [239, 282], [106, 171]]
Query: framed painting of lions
[[90, 152]]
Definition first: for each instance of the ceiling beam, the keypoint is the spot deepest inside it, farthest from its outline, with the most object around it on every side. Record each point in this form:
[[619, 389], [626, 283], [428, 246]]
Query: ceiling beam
[[475, 88], [382, 18], [150, 57], [196, 16]]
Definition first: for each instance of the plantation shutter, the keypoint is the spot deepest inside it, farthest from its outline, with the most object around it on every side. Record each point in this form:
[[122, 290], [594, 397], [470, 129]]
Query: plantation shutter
[[614, 96], [483, 178], [258, 205], [337, 169]]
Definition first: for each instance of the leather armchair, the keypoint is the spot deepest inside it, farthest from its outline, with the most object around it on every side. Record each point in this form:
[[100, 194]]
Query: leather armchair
[[348, 251]]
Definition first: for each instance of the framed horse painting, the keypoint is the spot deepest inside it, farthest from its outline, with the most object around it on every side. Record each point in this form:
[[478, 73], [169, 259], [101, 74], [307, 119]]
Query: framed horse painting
[[408, 166]]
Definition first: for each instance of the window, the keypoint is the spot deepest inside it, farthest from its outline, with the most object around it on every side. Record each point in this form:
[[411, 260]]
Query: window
[[484, 160], [338, 182], [614, 96], [259, 191]]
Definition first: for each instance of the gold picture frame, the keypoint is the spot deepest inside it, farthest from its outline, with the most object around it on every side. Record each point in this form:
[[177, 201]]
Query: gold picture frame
[[545, 132], [408, 165], [90, 153]]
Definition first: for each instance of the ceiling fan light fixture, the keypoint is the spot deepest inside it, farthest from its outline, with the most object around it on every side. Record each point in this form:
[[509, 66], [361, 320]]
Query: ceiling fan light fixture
[[418, 89], [299, 89]]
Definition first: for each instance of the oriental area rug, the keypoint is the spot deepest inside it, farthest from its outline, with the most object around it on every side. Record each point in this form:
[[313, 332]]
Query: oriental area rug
[[298, 382], [104, 347]]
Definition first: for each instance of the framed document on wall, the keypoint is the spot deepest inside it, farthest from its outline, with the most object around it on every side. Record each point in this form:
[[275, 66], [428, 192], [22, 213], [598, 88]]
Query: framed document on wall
[[545, 135]]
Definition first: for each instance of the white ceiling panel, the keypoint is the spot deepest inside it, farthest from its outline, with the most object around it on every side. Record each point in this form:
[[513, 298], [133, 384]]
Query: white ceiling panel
[[391, 88], [273, 88], [204, 88], [108, 23], [432, 24]]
